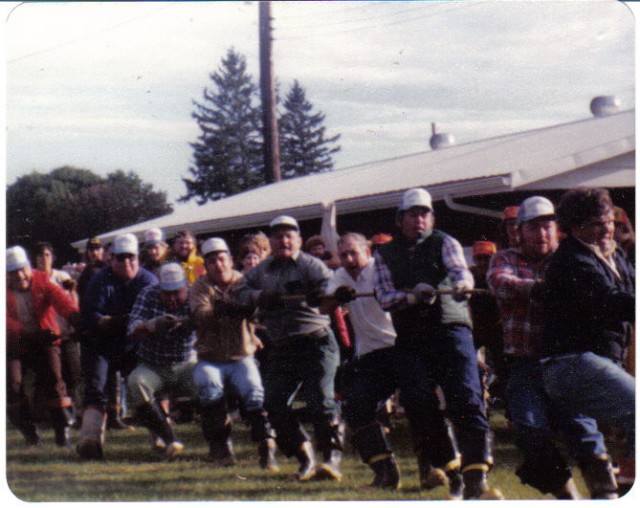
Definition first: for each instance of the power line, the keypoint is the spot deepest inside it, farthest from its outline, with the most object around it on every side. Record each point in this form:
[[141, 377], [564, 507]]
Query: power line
[[376, 26], [90, 35]]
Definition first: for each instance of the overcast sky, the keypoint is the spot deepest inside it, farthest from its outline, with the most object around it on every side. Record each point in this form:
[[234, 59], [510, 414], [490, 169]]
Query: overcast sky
[[107, 86]]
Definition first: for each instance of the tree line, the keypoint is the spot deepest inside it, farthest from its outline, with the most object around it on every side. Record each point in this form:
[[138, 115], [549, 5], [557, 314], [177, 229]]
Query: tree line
[[69, 203]]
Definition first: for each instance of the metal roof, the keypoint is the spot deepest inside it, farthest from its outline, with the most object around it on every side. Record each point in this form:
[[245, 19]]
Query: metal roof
[[598, 151]]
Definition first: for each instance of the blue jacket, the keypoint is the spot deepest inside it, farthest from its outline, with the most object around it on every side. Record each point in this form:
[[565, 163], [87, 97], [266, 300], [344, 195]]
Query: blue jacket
[[107, 295], [586, 307]]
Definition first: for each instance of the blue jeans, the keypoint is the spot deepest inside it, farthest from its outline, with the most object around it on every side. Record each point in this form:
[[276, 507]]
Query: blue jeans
[[242, 376], [595, 386], [533, 415]]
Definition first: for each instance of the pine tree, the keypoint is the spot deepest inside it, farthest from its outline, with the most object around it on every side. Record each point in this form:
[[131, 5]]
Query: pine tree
[[227, 157], [303, 147]]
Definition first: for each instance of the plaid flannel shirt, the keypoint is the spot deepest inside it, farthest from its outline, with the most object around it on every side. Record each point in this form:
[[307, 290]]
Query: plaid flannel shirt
[[511, 276], [177, 346]]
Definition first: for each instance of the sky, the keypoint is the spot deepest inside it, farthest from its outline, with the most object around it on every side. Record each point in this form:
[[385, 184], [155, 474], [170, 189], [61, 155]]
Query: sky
[[107, 86]]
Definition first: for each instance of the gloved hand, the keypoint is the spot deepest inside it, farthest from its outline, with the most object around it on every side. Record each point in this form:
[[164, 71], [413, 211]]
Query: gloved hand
[[421, 293], [268, 299], [314, 298], [461, 291], [162, 324], [344, 294], [69, 284], [46, 337], [537, 291]]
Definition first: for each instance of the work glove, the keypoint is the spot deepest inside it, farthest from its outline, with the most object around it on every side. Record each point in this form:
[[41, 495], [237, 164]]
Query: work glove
[[114, 325], [421, 293], [268, 299], [46, 337], [314, 298], [69, 284], [162, 324], [344, 294], [461, 291]]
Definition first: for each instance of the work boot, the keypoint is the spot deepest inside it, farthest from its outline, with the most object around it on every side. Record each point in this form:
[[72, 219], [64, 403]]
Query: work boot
[[329, 468], [387, 473], [306, 457], [599, 477], [474, 477], [267, 454], [567, 491], [91, 441]]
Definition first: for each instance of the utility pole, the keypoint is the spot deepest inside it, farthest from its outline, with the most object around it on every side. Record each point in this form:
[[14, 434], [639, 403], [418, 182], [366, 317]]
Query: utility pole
[[267, 89]]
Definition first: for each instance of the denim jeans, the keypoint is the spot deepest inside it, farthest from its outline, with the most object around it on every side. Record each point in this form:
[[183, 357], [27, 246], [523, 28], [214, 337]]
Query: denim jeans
[[242, 376], [532, 414], [595, 386], [146, 381]]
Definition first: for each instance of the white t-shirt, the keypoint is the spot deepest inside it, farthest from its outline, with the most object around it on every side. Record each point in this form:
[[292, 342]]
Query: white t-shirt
[[372, 326]]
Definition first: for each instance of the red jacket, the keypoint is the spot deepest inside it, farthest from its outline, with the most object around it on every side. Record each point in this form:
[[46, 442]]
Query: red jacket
[[48, 298]]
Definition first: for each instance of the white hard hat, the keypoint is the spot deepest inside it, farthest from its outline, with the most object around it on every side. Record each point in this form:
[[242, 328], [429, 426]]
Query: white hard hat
[[415, 197], [16, 258], [125, 244], [214, 245], [534, 207], [171, 277]]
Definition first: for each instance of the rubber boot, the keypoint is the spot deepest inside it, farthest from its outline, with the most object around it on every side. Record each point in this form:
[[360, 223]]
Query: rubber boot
[[455, 481], [216, 429], [599, 477], [386, 471], [263, 434], [91, 441], [475, 483], [330, 439], [430, 477], [267, 454], [306, 457], [155, 418], [22, 418], [567, 491], [61, 421]]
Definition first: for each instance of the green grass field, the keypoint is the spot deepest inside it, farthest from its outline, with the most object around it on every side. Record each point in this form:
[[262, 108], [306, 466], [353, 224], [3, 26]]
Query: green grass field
[[132, 472]]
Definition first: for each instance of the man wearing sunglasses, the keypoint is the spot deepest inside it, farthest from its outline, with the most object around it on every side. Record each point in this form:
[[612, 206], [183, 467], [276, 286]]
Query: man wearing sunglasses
[[105, 312]]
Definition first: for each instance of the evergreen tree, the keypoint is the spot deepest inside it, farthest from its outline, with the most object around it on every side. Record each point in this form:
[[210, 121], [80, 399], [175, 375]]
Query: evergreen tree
[[303, 147], [227, 158]]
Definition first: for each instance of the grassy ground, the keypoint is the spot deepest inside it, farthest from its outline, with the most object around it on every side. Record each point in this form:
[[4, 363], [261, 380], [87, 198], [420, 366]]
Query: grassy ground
[[132, 472]]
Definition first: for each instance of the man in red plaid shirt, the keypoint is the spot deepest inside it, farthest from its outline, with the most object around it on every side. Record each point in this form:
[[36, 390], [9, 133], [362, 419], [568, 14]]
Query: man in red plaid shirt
[[515, 277]]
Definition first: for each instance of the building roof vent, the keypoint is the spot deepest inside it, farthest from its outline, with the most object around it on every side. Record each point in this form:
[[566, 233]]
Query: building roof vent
[[437, 141], [605, 105]]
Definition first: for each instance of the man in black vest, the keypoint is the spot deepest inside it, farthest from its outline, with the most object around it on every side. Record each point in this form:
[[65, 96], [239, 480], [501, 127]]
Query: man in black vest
[[434, 341]]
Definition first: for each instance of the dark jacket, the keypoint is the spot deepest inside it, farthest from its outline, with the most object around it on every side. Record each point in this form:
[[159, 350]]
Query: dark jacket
[[586, 307]]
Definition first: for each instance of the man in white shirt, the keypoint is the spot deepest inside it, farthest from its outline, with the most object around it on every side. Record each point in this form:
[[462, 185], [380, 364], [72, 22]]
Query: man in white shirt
[[375, 367]]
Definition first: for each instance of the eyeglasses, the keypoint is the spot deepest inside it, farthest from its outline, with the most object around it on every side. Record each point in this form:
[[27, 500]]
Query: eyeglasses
[[121, 258]]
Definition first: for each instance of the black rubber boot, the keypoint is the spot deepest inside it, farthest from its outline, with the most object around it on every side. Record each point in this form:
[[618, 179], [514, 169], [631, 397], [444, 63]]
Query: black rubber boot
[[155, 418], [22, 418], [456, 484], [216, 429], [475, 483], [61, 421], [263, 434], [387, 473], [599, 477]]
